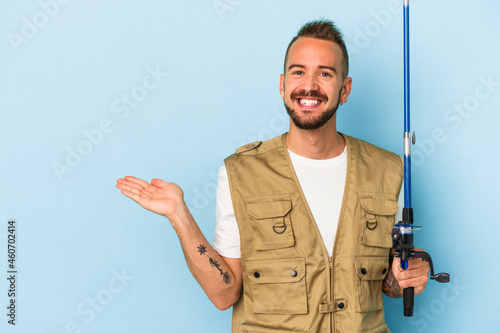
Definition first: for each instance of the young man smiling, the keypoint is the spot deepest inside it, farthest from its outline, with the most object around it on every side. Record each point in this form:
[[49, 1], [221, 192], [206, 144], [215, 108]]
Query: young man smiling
[[314, 84], [302, 242]]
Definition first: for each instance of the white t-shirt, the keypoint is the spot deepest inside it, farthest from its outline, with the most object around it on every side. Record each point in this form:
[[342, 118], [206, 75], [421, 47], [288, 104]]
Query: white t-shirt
[[322, 182]]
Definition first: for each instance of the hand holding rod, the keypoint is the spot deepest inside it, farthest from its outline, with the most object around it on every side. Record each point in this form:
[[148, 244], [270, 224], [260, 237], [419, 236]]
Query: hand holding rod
[[402, 240]]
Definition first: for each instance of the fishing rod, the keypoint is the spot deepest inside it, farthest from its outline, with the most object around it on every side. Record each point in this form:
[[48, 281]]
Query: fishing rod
[[402, 234]]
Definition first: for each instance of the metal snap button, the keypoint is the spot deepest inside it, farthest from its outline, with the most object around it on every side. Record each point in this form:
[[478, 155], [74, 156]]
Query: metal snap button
[[340, 305], [257, 275], [363, 271], [293, 273]]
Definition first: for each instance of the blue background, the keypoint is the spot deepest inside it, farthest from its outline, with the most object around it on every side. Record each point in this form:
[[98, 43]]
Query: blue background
[[80, 108]]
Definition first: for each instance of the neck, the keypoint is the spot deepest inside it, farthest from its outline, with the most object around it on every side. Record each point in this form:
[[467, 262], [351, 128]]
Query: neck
[[322, 143]]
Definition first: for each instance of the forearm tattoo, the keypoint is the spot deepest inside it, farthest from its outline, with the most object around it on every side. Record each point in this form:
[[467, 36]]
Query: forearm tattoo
[[391, 286], [225, 275]]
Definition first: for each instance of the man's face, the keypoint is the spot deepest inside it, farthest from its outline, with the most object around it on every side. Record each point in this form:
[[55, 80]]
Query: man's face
[[313, 84]]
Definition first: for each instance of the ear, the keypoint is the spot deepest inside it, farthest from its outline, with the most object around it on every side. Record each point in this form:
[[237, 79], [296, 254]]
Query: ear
[[282, 86], [346, 90]]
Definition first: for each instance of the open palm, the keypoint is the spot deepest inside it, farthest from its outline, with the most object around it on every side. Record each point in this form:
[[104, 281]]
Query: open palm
[[160, 197]]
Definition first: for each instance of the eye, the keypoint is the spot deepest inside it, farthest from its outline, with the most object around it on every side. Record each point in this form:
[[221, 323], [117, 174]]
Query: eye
[[298, 73], [325, 74]]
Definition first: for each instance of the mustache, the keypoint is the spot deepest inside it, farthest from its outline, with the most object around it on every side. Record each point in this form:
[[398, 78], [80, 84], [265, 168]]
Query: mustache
[[310, 93]]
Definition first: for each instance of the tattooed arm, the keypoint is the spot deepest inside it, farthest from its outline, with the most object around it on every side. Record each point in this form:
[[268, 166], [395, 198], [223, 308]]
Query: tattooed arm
[[219, 277], [417, 276]]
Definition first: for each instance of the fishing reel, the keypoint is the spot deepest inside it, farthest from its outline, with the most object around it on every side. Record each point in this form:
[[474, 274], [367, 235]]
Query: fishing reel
[[402, 243]]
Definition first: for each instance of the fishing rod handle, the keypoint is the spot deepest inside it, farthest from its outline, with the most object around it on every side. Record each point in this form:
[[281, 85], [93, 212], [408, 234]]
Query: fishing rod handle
[[408, 294]]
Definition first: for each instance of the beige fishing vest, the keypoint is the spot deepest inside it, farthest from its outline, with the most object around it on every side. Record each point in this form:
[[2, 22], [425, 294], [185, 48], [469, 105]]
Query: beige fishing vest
[[289, 282]]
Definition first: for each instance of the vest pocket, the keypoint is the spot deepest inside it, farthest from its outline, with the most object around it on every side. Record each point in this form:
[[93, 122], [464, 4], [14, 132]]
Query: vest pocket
[[378, 218], [277, 286], [271, 221], [370, 274]]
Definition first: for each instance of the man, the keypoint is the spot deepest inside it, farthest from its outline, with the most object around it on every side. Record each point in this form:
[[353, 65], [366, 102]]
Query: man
[[304, 219]]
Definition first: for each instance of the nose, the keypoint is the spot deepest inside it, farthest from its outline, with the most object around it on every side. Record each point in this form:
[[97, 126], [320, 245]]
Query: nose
[[310, 83]]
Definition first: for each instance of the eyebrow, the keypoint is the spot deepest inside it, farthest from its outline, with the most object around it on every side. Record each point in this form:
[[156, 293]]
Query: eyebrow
[[333, 69]]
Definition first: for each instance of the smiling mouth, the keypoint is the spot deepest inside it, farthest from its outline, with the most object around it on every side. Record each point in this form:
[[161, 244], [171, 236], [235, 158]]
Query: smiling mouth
[[308, 101]]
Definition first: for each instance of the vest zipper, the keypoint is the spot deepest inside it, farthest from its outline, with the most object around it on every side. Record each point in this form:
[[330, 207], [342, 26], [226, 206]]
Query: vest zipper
[[330, 263]]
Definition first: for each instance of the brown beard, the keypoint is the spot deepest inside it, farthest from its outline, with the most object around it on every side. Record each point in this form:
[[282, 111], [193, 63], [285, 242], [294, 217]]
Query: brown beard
[[315, 123]]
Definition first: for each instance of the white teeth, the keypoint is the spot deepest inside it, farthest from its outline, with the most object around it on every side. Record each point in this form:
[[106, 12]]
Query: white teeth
[[308, 102]]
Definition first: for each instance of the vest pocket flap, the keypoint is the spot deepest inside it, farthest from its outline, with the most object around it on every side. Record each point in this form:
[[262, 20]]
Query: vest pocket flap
[[378, 203], [275, 286], [371, 268], [370, 273], [269, 208], [270, 220], [276, 271], [378, 218]]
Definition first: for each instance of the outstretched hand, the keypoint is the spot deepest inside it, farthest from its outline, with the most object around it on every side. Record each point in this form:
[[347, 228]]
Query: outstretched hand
[[159, 197]]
